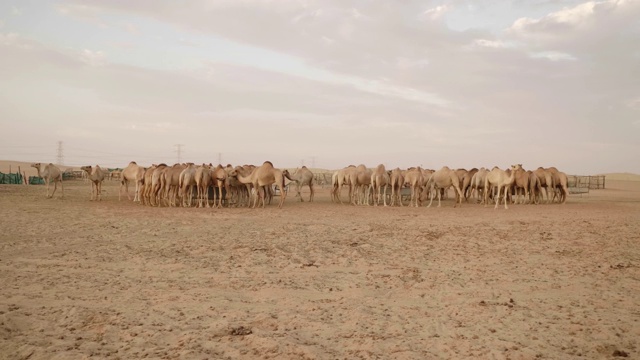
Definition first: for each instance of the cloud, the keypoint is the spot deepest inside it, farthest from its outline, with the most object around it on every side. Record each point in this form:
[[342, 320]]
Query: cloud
[[92, 58], [553, 56], [436, 12]]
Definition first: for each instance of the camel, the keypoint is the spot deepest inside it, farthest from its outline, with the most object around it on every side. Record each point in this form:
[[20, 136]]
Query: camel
[[203, 183], [360, 180], [546, 181], [96, 175], [521, 182], [265, 176], [50, 173], [443, 179], [170, 184], [477, 184], [534, 187], [500, 179], [302, 177], [133, 172], [187, 182], [466, 183], [145, 188], [413, 179], [559, 181], [241, 190], [342, 177], [155, 185], [396, 180], [219, 180], [380, 178]]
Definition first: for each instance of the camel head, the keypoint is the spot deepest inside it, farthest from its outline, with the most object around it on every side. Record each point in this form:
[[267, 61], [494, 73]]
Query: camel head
[[86, 168], [36, 165], [516, 167]]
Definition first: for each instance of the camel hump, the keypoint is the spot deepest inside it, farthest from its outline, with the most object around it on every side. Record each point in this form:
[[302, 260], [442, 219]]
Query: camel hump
[[133, 162], [304, 167], [268, 163]]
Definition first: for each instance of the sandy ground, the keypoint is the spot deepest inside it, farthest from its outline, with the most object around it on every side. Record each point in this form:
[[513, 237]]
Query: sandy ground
[[82, 279]]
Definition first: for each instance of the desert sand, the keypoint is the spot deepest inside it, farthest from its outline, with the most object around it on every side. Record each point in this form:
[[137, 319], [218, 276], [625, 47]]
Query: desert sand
[[110, 279]]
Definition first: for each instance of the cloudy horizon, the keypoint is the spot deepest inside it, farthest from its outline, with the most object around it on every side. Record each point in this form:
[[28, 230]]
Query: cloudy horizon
[[323, 83]]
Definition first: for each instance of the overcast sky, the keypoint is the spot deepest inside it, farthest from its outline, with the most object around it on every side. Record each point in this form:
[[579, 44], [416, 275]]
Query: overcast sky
[[326, 83]]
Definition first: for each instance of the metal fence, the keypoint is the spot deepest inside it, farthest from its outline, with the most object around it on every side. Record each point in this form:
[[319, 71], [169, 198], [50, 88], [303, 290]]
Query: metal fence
[[579, 184]]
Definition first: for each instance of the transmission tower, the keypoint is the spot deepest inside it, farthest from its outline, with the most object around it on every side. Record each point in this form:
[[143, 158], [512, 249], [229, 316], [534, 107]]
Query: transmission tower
[[60, 156], [179, 151]]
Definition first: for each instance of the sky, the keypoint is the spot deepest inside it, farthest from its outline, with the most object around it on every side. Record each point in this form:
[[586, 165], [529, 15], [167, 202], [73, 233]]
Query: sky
[[324, 83]]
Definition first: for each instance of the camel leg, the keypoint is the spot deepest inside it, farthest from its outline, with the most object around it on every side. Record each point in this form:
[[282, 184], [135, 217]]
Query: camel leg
[[311, 190], [99, 188], [505, 197]]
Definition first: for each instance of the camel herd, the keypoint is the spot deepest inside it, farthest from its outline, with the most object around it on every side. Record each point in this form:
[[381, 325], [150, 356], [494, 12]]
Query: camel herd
[[208, 186], [496, 183]]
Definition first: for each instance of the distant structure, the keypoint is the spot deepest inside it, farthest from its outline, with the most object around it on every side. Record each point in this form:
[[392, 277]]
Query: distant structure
[[179, 152], [60, 156]]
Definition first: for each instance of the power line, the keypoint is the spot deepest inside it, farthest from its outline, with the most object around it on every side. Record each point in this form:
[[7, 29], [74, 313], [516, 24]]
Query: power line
[[60, 157], [179, 152]]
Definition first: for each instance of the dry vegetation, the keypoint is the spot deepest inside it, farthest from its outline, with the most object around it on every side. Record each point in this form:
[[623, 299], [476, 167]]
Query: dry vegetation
[[318, 280]]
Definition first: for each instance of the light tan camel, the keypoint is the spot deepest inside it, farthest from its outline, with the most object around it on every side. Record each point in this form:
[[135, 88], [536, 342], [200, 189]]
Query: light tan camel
[[96, 175], [155, 185], [50, 173], [265, 176], [187, 183], [133, 172], [443, 179], [546, 181], [413, 179], [466, 183], [145, 188], [219, 180], [301, 177], [520, 182], [203, 183], [396, 180], [477, 184], [170, 184], [500, 179], [243, 191], [380, 179], [360, 180], [341, 178], [560, 188]]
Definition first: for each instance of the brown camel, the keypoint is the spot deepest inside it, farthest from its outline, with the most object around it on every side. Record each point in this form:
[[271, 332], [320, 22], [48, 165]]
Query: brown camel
[[50, 173], [546, 181], [443, 179], [380, 179], [521, 182], [500, 179], [155, 185], [560, 188], [396, 180], [265, 176], [302, 177], [535, 190], [96, 175], [219, 180], [133, 172]]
